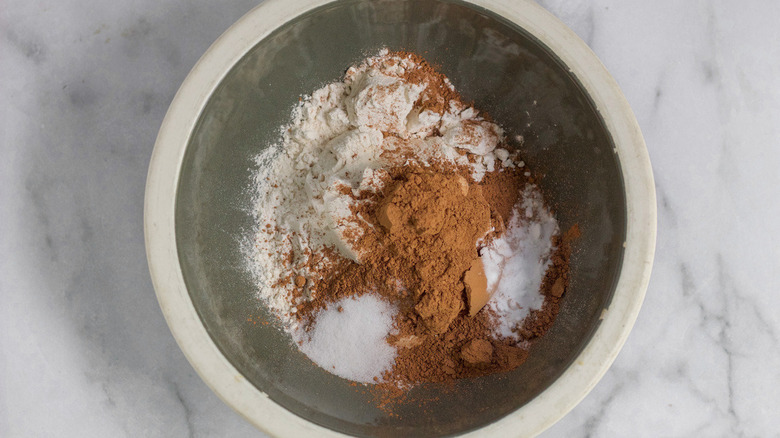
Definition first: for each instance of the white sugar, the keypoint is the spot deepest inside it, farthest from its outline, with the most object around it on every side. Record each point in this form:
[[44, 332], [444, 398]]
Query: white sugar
[[351, 343], [515, 264]]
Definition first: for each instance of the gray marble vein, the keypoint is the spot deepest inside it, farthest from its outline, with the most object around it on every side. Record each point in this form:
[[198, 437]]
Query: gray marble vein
[[704, 351], [85, 350]]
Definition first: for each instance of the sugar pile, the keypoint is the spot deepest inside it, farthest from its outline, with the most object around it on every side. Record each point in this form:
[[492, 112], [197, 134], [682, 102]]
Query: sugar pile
[[516, 262], [348, 338]]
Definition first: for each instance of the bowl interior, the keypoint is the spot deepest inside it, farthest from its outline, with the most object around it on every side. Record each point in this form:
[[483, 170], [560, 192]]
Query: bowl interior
[[492, 62]]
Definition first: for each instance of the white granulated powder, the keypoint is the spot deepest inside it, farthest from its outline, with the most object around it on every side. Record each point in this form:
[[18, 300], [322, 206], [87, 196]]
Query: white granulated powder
[[515, 263], [351, 342]]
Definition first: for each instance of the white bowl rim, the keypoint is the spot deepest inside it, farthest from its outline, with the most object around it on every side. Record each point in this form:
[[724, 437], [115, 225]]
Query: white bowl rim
[[234, 389]]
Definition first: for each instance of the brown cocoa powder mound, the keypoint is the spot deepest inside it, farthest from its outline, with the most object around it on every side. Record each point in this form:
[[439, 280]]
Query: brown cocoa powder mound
[[441, 358], [408, 252], [432, 358], [433, 218], [432, 222], [477, 353]]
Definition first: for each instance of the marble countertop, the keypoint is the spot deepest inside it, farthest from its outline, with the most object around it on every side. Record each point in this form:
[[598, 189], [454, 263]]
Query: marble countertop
[[84, 85]]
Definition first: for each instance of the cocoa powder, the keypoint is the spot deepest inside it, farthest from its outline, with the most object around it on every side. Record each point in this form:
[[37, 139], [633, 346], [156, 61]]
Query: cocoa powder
[[439, 356], [420, 237]]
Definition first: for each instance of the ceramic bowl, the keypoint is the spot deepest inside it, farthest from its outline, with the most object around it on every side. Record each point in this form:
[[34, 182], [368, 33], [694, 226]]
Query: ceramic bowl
[[512, 59]]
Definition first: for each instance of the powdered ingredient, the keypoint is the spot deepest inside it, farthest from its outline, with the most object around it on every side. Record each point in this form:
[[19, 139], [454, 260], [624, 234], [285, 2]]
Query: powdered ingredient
[[516, 262], [373, 209], [348, 338]]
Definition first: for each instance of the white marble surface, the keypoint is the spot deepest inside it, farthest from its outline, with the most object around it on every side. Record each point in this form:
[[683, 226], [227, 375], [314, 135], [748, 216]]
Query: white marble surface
[[84, 85]]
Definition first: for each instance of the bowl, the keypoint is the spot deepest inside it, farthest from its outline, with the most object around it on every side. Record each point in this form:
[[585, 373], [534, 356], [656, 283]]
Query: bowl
[[511, 58]]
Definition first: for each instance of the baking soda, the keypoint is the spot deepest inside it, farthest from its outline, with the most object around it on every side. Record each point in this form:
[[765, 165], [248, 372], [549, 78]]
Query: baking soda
[[516, 262]]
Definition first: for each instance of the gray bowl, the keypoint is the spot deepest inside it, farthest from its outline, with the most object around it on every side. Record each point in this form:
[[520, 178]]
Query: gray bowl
[[504, 70]]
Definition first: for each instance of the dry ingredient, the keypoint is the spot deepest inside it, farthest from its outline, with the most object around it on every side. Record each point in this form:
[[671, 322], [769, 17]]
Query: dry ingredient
[[347, 337], [400, 239]]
